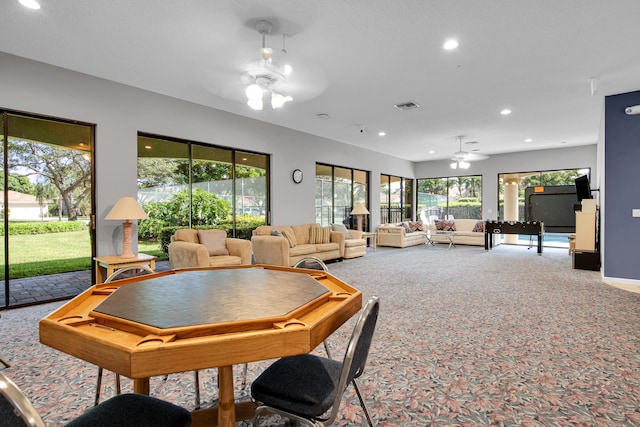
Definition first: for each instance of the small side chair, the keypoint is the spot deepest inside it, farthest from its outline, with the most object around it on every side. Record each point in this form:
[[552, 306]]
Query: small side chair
[[124, 410], [308, 389]]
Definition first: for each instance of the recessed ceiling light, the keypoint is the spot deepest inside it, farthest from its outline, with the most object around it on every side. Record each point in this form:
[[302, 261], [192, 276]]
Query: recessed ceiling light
[[31, 4], [505, 112], [450, 44], [528, 140], [431, 152], [382, 133]]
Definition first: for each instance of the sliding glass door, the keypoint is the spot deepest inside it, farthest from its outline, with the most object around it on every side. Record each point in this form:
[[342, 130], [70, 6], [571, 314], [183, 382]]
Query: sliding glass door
[[47, 206]]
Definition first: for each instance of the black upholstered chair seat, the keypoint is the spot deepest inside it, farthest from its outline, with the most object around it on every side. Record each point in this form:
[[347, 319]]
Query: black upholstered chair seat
[[133, 410], [124, 410], [310, 392]]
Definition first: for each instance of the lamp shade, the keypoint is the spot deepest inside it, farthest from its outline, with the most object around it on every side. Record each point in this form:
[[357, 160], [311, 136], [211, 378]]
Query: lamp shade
[[126, 208], [359, 209]]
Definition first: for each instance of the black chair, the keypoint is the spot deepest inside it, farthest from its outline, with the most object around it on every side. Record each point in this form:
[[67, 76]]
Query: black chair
[[307, 388], [125, 410], [310, 263]]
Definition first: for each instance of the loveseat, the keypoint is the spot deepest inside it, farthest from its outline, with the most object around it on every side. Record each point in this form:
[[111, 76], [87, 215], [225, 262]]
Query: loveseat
[[287, 244], [401, 235], [468, 231], [207, 248]]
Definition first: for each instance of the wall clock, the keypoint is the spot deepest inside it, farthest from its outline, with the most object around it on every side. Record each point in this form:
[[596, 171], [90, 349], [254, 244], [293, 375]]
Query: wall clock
[[297, 176]]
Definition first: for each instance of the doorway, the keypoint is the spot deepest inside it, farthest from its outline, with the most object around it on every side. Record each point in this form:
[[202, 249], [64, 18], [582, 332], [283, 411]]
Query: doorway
[[47, 207]]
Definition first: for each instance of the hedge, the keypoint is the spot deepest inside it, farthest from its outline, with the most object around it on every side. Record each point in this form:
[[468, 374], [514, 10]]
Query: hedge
[[43, 227]]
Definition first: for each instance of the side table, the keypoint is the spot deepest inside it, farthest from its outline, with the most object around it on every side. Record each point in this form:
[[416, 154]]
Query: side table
[[373, 236], [115, 262]]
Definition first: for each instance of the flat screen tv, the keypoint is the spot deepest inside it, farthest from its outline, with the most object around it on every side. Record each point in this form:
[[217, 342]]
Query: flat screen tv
[[583, 189]]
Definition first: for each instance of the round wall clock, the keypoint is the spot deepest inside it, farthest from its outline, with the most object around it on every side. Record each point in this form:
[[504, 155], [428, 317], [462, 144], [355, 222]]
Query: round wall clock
[[297, 176]]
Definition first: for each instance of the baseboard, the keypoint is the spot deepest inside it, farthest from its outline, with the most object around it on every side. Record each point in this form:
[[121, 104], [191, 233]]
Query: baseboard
[[621, 281]]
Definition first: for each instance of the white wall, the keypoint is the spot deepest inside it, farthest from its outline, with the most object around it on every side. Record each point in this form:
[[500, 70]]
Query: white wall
[[540, 160], [119, 112]]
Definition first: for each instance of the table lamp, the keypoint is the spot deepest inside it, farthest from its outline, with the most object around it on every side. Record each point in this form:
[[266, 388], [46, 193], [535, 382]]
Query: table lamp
[[127, 208], [359, 210]]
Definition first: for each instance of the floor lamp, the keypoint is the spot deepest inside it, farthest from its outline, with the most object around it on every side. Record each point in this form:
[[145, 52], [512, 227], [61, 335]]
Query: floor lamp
[[126, 209], [359, 210]]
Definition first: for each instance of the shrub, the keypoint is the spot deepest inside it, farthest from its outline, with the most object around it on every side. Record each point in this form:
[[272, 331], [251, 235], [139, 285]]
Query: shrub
[[44, 227], [205, 209]]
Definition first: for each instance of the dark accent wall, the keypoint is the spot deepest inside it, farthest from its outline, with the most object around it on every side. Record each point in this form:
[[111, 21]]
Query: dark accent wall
[[622, 181]]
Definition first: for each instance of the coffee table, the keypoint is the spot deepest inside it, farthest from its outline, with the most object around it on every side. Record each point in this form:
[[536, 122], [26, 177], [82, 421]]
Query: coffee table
[[448, 234]]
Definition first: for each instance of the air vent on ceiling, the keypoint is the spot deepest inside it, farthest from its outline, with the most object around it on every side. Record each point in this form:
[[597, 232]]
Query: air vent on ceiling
[[407, 106]]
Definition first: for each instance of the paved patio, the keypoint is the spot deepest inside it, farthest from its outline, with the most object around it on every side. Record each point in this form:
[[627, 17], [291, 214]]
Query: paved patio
[[34, 290]]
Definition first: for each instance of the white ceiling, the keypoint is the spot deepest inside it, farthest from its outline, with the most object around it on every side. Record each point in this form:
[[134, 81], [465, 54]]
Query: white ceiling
[[355, 59]]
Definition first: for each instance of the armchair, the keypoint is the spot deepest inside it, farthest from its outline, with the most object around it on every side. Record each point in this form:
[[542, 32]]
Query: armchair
[[207, 248]]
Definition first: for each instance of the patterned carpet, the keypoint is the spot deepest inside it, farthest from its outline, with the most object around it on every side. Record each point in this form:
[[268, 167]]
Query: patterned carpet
[[465, 338]]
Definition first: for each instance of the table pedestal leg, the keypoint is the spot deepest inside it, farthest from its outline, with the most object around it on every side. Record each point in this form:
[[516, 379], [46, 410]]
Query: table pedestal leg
[[226, 402], [141, 385]]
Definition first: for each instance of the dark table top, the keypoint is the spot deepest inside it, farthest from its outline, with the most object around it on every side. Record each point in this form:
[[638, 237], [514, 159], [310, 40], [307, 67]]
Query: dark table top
[[212, 297]]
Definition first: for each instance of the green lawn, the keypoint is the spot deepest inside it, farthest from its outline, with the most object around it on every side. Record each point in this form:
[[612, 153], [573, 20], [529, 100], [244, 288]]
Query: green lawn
[[42, 254]]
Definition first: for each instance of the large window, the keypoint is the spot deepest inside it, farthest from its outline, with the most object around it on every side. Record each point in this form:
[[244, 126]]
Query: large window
[[453, 197], [338, 189], [395, 199], [512, 204], [519, 181], [189, 184]]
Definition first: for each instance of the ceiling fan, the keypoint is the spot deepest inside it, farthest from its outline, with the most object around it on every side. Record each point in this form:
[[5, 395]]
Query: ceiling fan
[[462, 158], [264, 73]]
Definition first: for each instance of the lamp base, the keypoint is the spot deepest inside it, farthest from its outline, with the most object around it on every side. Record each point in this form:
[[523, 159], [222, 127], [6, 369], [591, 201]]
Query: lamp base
[[127, 253]]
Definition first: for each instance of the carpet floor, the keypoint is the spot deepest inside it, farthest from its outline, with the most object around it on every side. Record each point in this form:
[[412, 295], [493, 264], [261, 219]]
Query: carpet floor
[[465, 338]]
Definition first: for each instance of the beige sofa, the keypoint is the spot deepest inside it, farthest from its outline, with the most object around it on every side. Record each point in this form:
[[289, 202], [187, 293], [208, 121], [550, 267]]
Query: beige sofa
[[464, 233], [397, 235], [273, 249], [186, 250]]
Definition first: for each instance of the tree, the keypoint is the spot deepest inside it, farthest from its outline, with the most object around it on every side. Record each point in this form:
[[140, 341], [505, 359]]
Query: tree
[[44, 191], [156, 172], [19, 183], [69, 171]]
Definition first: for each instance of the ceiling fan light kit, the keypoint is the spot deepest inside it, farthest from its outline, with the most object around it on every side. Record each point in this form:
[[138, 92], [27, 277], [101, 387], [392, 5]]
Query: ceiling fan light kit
[[462, 158], [264, 73]]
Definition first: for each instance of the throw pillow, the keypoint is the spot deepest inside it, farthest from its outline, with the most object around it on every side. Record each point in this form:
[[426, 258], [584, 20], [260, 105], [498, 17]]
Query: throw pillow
[[326, 235], [479, 227], [406, 227], [416, 225], [445, 225], [214, 241], [291, 237], [320, 235], [275, 232], [341, 228]]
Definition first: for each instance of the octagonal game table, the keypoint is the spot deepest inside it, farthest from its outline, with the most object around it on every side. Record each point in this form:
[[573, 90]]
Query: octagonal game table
[[191, 319]]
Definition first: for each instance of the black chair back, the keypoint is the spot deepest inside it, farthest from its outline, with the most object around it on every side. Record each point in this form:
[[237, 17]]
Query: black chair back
[[357, 352]]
